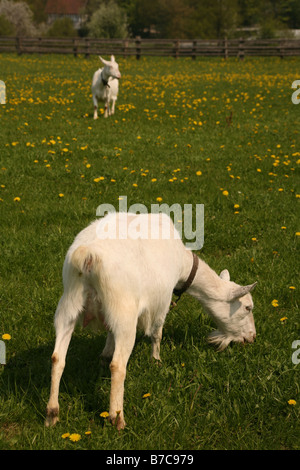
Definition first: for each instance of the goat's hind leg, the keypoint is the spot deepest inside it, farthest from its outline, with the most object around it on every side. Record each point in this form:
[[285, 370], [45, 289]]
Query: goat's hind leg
[[64, 326], [124, 339]]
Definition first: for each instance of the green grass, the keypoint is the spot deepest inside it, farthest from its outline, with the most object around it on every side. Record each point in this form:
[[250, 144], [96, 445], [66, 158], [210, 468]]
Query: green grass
[[170, 123]]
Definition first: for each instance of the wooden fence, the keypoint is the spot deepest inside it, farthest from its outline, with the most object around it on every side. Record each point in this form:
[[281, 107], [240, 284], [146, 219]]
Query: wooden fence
[[152, 47]]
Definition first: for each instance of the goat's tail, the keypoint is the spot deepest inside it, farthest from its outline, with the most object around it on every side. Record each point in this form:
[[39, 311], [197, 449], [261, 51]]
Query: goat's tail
[[84, 259]]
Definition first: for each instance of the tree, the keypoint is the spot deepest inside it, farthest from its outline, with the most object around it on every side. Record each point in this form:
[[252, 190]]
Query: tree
[[109, 21], [20, 16]]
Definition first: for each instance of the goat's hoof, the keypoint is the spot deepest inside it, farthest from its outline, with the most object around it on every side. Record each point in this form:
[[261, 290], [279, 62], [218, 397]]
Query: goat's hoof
[[52, 417], [118, 421]]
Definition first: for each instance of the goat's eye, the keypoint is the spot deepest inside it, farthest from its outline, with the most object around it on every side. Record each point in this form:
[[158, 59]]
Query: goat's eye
[[248, 308]]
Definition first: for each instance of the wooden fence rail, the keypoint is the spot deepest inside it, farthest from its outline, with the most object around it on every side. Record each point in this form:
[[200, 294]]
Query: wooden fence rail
[[152, 47]]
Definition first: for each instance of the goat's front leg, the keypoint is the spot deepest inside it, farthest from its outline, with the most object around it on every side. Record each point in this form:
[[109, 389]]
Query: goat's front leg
[[95, 101], [156, 339], [124, 342], [113, 106], [106, 109]]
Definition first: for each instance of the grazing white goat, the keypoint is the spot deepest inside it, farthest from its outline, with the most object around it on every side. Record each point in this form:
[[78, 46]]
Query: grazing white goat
[[118, 281], [105, 86]]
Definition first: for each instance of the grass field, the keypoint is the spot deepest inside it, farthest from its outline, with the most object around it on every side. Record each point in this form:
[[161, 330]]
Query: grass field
[[219, 132]]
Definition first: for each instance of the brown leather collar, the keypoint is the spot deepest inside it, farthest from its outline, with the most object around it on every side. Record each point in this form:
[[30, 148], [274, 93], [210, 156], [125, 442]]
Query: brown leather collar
[[190, 279]]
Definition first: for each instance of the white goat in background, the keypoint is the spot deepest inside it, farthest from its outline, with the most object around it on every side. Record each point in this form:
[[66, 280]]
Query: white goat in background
[[105, 86], [122, 283]]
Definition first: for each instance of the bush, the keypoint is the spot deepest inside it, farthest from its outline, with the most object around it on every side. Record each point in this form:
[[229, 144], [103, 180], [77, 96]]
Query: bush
[[62, 28], [109, 21]]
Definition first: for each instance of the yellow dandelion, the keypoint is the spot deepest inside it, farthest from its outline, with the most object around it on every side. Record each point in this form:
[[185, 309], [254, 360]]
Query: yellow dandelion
[[65, 435], [225, 193], [292, 287], [159, 199], [297, 234], [274, 303], [88, 165], [147, 395], [75, 437], [283, 319], [236, 206], [198, 173], [17, 199], [88, 433], [254, 239], [153, 180], [104, 414], [61, 195], [6, 337], [292, 402]]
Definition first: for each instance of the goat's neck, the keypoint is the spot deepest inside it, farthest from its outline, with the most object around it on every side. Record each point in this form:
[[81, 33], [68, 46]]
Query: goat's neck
[[207, 285], [105, 74]]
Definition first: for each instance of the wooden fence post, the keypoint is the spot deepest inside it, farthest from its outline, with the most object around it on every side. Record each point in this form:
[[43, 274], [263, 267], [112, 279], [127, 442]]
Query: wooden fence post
[[176, 49], [18, 45], [125, 47], [87, 47], [138, 47], [241, 53], [194, 50], [75, 47], [226, 48]]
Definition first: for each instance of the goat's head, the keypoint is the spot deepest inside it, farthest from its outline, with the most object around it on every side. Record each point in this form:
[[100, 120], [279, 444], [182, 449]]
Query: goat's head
[[232, 314], [112, 67]]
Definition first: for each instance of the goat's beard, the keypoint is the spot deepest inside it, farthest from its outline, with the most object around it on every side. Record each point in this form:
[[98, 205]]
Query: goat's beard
[[217, 338]]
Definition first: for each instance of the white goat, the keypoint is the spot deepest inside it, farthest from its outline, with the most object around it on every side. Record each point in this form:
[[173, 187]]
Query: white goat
[[123, 282], [105, 86]]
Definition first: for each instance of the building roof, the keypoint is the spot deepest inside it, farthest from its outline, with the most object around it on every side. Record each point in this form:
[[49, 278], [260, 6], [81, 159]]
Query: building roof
[[64, 7]]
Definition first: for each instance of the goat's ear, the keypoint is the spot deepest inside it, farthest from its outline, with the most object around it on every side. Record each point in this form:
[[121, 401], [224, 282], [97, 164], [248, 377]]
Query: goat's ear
[[239, 291], [112, 58], [225, 275]]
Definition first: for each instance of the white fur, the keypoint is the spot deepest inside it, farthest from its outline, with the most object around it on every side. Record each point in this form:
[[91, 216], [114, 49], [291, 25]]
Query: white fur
[[107, 93], [127, 282]]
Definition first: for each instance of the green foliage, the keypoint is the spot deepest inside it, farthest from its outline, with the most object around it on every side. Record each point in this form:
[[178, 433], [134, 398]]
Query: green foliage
[[171, 137], [62, 28], [109, 21], [6, 27]]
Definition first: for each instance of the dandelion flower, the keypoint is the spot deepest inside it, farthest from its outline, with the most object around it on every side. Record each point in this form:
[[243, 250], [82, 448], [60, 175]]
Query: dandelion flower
[[292, 287], [65, 435], [225, 193], [104, 414], [75, 437], [292, 402], [146, 395], [88, 433], [17, 199], [236, 206], [274, 303], [159, 199], [61, 195], [199, 173], [283, 319], [6, 336]]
